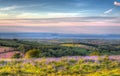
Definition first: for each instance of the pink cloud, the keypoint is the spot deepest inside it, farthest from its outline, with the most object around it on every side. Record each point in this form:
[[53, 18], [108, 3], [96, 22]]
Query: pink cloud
[[117, 3], [73, 21]]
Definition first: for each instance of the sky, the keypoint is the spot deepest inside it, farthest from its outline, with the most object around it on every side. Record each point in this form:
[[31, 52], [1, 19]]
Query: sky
[[60, 16]]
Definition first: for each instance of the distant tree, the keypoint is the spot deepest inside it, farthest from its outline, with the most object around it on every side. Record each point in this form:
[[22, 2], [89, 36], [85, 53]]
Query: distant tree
[[32, 54], [17, 55], [95, 53], [21, 48], [15, 39]]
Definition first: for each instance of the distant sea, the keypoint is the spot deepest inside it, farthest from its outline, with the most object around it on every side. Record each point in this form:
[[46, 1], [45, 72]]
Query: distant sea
[[57, 36]]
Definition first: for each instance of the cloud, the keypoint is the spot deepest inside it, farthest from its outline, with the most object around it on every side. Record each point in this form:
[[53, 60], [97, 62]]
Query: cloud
[[5, 16], [64, 29], [9, 8], [117, 3], [108, 11], [28, 15], [68, 21], [13, 7], [46, 15], [63, 14]]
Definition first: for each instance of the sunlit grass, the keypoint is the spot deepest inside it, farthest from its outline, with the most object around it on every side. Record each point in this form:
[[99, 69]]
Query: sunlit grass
[[61, 67]]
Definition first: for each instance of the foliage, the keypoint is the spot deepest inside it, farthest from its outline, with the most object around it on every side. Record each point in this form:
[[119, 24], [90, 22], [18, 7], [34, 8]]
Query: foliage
[[65, 47], [32, 54], [17, 55], [95, 53]]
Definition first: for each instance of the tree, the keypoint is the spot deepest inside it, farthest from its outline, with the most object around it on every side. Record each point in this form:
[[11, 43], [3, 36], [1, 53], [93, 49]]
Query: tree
[[21, 48], [95, 53], [17, 55], [32, 54]]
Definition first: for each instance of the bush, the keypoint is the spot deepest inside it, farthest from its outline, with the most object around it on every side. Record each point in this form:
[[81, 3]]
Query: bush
[[17, 55], [32, 54], [95, 54]]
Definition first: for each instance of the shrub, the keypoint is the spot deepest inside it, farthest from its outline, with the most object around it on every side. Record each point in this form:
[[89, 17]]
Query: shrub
[[32, 54], [94, 54], [17, 55]]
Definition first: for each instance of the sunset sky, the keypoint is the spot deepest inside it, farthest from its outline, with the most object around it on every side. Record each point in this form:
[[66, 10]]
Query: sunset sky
[[60, 16]]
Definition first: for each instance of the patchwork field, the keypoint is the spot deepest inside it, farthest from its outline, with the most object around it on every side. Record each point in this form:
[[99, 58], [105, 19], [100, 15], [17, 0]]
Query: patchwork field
[[7, 52]]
